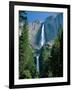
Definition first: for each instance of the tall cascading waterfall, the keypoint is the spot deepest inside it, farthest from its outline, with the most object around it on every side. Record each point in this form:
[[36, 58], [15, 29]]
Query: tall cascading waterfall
[[42, 36], [42, 41]]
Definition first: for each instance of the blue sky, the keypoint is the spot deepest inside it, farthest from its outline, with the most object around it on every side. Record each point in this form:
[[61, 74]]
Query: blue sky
[[33, 15]]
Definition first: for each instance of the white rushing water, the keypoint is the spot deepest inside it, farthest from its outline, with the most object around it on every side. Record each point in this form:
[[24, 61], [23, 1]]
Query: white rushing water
[[42, 36], [42, 41], [37, 58]]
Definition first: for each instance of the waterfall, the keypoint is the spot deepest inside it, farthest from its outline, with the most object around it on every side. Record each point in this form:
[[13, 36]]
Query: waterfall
[[37, 65], [42, 36], [42, 41]]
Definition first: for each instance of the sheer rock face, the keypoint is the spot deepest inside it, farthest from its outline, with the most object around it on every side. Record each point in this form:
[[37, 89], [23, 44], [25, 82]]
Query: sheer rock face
[[33, 31], [51, 27]]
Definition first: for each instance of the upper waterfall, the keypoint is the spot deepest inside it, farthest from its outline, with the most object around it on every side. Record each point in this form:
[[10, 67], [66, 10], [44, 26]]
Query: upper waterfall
[[42, 36]]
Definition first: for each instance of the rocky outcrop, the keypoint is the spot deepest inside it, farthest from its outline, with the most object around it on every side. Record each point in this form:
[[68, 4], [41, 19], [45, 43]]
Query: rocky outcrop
[[33, 31]]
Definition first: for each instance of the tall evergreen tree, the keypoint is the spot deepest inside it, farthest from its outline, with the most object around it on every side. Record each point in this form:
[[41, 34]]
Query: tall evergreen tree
[[56, 61], [44, 61], [26, 62]]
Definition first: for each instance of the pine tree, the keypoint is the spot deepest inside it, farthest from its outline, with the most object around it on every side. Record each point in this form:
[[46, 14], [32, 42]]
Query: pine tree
[[56, 61], [26, 62], [44, 61]]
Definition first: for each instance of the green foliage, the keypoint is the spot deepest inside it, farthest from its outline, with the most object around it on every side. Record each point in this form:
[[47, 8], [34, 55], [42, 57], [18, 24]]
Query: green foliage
[[56, 61], [45, 53], [44, 61], [25, 74], [26, 62]]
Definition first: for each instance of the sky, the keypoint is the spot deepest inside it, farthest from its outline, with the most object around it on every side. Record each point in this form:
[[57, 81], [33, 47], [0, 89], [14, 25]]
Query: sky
[[33, 15]]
